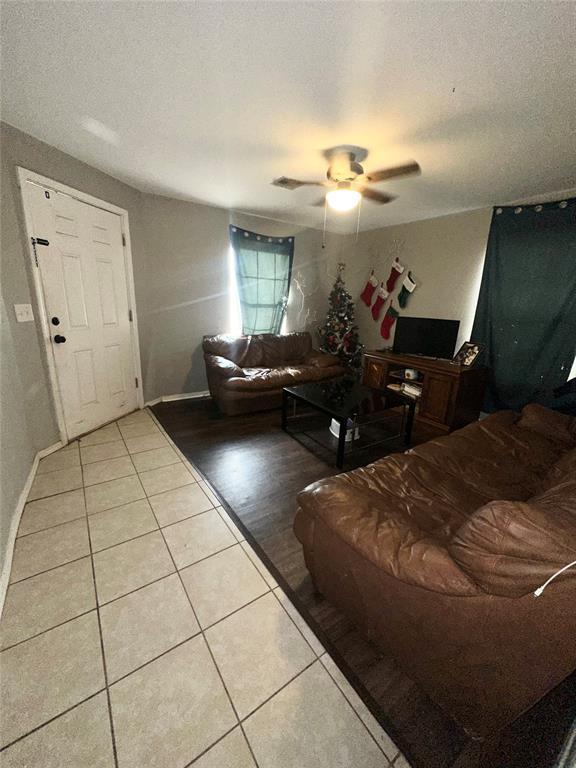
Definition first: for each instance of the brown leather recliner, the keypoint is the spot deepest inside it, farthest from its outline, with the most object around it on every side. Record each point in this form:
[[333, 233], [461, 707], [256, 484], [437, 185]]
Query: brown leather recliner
[[435, 555], [247, 373]]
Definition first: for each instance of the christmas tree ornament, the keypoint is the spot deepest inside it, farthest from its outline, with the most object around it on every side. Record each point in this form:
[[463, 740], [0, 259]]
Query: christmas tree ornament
[[369, 289], [395, 272], [339, 334], [408, 287], [381, 297], [389, 319]]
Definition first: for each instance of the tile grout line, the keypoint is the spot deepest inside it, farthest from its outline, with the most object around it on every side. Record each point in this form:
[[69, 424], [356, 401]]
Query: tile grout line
[[357, 714], [317, 657], [292, 620], [270, 590], [54, 567], [52, 719], [234, 710], [48, 629], [240, 722], [102, 651], [56, 525]]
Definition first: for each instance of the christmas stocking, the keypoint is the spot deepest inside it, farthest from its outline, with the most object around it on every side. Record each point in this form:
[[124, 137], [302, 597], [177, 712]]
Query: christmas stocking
[[388, 322], [408, 287], [381, 297], [369, 289], [395, 273]]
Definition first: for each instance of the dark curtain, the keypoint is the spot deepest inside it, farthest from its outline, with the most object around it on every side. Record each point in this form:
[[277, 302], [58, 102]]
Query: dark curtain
[[263, 271], [526, 313]]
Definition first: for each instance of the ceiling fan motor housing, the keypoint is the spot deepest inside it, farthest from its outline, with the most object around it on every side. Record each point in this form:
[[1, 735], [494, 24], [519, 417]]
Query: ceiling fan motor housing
[[339, 171]]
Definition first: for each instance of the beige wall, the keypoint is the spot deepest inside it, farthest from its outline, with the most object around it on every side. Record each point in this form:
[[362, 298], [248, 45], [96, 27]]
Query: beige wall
[[188, 287], [445, 257], [27, 416]]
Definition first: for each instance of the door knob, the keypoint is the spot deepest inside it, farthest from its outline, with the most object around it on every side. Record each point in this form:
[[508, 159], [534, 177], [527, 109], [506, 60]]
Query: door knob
[[59, 339]]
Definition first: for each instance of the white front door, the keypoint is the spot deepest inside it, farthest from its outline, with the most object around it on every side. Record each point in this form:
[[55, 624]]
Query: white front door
[[80, 256]]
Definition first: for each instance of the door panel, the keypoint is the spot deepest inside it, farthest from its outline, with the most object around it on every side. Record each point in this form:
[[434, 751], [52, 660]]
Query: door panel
[[86, 376], [436, 397], [74, 290], [116, 383], [374, 374], [107, 293], [83, 276]]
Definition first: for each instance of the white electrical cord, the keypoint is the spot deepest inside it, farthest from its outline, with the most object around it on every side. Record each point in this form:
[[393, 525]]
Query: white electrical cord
[[538, 592]]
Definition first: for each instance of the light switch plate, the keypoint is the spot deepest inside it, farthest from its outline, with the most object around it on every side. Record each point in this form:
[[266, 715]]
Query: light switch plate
[[24, 313]]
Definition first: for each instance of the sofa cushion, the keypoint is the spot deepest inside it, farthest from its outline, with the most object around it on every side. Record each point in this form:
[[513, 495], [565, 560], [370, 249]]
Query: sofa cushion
[[284, 349], [242, 350], [276, 378], [224, 367], [495, 456], [510, 548], [554, 426], [437, 502], [564, 468], [321, 360]]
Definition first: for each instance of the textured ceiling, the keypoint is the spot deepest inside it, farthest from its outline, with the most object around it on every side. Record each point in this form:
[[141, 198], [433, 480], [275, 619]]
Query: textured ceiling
[[211, 101]]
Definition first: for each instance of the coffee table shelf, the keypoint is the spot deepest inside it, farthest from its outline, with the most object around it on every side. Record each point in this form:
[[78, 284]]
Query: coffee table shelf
[[381, 417]]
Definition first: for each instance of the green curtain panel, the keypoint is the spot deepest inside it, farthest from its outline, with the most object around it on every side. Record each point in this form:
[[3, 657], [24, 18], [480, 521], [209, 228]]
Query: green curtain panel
[[263, 271], [526, 313]]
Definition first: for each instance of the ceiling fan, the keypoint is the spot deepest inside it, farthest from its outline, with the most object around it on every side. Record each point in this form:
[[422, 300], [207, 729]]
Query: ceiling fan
[[346, 180]]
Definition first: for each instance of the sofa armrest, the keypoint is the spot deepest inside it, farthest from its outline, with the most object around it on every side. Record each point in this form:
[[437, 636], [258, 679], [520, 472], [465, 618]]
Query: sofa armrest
[[509, 548], [553, 425], [222, 367], [373, 526], [321, 359]]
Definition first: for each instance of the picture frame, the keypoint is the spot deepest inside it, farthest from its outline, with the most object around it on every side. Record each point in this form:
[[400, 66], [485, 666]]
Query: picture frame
[[468, 354]]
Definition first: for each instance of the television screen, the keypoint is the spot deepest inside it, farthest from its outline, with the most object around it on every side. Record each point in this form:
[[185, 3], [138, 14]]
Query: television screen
[[425, 336]]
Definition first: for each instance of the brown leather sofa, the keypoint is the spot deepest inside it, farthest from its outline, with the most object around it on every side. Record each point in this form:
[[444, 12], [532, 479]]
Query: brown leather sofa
[[247, 373], [435, 555]]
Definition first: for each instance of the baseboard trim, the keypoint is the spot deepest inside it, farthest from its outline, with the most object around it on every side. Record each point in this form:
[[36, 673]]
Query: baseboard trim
[[20, 504], [183, 396]]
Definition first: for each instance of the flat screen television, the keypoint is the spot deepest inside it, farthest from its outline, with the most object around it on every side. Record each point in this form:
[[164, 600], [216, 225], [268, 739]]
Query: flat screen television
[[426, 336]]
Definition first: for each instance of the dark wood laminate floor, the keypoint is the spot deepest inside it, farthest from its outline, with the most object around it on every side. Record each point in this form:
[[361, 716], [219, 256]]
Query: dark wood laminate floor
[[257, 470]]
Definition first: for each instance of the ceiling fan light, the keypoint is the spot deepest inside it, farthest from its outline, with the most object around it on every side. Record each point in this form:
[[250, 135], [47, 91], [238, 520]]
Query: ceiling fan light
[[343, 199]]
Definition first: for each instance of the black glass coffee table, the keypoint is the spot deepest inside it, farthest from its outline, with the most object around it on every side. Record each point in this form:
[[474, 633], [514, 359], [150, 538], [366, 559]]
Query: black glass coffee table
[[361, 417]]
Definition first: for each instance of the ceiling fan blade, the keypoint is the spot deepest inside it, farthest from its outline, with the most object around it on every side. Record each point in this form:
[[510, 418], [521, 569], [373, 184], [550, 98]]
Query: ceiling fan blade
[[376, 197], [408, 169], [287, 183]]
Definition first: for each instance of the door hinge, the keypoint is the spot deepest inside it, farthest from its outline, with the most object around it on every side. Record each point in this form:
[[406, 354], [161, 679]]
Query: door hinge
[[130, 318], [136, 380], [123, 239]]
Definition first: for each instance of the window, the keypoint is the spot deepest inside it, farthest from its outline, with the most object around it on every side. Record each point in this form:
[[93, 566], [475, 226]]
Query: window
[[263, 269]]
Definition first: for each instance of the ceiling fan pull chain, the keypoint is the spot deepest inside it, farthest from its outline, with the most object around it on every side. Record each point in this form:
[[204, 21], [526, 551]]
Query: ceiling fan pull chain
[[324, 230], [358, 219]]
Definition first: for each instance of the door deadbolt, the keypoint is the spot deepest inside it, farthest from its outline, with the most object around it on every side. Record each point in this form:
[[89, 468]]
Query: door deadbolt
[[55, 320]]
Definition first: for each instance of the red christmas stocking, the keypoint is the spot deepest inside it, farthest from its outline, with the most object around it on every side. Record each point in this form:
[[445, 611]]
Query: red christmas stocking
[[395, 273], [369, 289], [408, 287], [381, 297], [388, 322]]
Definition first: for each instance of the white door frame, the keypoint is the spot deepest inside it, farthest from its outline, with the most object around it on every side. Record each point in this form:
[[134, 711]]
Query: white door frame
[[42, 181]]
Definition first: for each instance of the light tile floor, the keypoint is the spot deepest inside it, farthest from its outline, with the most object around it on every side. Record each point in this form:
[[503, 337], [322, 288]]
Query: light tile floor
[[140, 629]]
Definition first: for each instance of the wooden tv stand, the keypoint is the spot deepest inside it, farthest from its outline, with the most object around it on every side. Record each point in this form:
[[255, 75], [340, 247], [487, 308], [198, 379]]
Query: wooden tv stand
[[452, 395]]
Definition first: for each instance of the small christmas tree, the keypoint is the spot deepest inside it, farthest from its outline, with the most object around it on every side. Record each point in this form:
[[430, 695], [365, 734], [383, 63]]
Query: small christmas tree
[[339, 334]]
